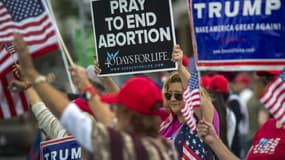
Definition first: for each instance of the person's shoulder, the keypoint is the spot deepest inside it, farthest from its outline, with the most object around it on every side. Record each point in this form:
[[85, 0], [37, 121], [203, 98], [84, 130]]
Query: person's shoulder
[[270, 122], [268, 125]]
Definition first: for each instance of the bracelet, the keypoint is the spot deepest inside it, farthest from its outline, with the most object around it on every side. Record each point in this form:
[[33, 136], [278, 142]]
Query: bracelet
[[83, 90], [38, 80], [88, 92]]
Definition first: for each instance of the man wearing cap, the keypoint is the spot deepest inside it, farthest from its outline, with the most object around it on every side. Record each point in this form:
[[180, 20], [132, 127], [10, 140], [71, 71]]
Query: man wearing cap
[[139, 100]]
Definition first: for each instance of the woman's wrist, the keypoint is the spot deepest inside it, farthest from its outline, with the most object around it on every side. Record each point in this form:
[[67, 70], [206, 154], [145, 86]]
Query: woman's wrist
[[216, 141], [28, 85], [180, 66], [32, 75], [84, 85]]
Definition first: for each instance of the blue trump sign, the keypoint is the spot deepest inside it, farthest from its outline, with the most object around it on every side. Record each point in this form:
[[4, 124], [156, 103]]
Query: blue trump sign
[[238, 34], [60, 149]]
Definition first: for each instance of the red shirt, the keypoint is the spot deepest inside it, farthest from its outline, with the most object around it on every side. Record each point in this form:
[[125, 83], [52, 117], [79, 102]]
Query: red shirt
[[268, 143]]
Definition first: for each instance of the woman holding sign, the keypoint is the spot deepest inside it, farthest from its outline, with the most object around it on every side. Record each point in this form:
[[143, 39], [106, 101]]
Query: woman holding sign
[[176, 126]]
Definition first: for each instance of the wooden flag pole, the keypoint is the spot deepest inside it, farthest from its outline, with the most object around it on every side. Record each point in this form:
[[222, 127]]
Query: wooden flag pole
[[66, 55], [62, 44], [66, 52], [199, 77]]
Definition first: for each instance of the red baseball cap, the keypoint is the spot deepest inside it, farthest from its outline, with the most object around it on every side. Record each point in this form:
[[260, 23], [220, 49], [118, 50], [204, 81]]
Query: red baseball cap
[[139, 94], [268, 73], [185, 60], [219, 83], [205, 80], [243, 77]]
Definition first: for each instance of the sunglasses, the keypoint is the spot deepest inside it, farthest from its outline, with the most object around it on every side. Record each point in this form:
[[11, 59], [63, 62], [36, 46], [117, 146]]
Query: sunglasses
[[177, 96]]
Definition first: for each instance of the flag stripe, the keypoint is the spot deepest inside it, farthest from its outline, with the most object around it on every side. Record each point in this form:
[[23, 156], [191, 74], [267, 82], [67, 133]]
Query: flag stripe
[[8, 59], [11, 104], [29, 32], [31, 19], [277, 103], [269, 90], [6, 56], [273, 102], [191, 97], [8, 96], [4, 104], [42, 51], [4, 13], [283, 120], [41, 39], [1, 113], [188, 153], [185, 157], [24, 101], [19, 99], [26, 25], [275, 89], [15, 96], [5, 20], [273, 98]]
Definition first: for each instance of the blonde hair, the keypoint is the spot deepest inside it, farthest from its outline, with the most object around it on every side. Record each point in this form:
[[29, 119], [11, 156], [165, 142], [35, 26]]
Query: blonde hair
[[173, 78]]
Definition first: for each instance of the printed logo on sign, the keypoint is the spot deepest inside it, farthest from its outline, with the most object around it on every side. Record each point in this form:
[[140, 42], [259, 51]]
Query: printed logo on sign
[[113, 58]]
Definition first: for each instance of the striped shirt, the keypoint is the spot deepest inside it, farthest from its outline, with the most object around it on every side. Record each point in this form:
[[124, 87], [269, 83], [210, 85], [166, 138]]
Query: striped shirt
[[109, 144]]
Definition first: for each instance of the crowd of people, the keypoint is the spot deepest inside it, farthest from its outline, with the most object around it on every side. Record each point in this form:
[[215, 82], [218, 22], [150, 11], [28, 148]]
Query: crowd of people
[[140, 120]]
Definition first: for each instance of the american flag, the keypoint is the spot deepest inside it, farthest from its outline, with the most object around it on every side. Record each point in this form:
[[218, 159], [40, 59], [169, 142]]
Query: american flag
[[273, 98], [10, 48], [11, 104], [190, 146], [192, 99], [30, 18]]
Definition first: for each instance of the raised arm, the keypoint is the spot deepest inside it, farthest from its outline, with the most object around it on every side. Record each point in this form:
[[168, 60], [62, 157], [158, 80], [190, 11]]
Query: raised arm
[[69, 114], [206, 111], [177, 55], [54, 99], [46, 120], [207, 133], [101, 110]]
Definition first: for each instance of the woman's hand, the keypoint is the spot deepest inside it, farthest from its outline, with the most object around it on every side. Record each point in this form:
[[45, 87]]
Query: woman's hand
[[207, 132], [177, 54], [19, 84], [97, 69]]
